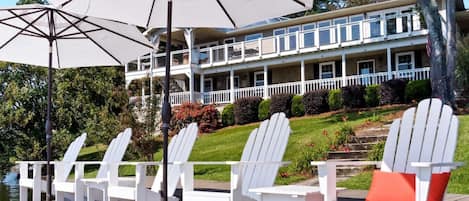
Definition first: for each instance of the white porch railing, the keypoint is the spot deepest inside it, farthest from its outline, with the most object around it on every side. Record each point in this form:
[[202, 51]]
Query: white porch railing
[[222, 96], [289, 88], [329, 84], [248, 91], [368, 79]]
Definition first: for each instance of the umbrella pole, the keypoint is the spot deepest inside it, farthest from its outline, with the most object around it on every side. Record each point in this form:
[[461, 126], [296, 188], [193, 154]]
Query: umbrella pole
[[166, 111], [48, 124]]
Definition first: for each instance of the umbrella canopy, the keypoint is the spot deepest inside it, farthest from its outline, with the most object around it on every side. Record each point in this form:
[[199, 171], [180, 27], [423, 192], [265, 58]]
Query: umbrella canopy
[[78, 41], [45, 36], [186, 13]]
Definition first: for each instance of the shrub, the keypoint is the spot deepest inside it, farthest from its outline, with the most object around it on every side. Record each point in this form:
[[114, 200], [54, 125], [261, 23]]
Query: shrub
[[297, 107], [227, 116], [209, 118], [246, 110], [353, 96], [376, 153], [315, 102], [372, 95], [343, 135], [335, 99], [392, 91], [418, 90], [264, 110], [281, 103], [311, 152], [206, 117]]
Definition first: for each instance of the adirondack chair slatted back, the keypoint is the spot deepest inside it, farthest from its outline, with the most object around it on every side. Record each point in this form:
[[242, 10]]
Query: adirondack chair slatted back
[[265, 144], [179, 150], [70, 156], [115, 152], [427, 133]]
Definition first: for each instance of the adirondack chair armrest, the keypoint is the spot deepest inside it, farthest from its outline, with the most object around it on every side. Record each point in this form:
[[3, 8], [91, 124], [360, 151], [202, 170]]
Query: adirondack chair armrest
[[35, 162], [282, 163], [453, 165], [346, 163]]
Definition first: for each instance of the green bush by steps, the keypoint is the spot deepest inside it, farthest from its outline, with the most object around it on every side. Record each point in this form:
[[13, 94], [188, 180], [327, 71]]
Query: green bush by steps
[[297, 107], [418, 90], [227, 116], [264, 110], [335, 99], [372, 95]]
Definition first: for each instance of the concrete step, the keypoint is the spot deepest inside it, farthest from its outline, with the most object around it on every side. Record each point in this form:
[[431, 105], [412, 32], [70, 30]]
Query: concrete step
[[361, 146], [368, 139], [353, 154]]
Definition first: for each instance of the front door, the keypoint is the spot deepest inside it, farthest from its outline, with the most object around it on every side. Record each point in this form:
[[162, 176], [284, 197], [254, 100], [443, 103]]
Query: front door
[[365, 68]]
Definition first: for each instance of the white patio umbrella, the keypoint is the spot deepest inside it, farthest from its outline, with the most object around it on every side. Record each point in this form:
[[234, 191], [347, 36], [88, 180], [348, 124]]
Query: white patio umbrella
[[183, 13], [45, 36]]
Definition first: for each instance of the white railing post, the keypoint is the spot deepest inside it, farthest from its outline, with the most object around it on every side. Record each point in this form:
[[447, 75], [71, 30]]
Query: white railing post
[[171, 60], [226, 53], [152, 66], [266, 92], [143, 92], [361, 31], [344, 70], [232, 95], [243, 52], [316, 38], [389, 62], [210, 55], [126, 68], [191, 86], [399, 27], [259, 44], [297, 40], [409, 24], [383, 26], [303, 87], [339, 35], [277, 39], [139, 64], [202, 95]]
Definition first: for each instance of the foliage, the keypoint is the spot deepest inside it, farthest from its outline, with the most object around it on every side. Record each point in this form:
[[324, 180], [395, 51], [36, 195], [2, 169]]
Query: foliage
[[315, 102], [264, 109], [227, 116], [462, 63], [335, 99], [206, 117], [342, 136], [22, 2], [392, 91], [372, 95], [281, 103], [309, 152], [376, 153], [297, 107], [209, 119], [246, 110], [418, 90], [353, 96]]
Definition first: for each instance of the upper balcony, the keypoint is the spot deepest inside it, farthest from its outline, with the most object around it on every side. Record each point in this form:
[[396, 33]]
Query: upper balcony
[[313, 37]]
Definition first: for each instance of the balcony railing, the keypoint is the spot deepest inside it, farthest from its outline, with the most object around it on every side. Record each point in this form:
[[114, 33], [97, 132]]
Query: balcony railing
[[320, 38]]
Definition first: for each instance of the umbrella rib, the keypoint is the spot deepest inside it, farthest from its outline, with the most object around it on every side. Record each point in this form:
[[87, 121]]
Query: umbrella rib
[[23, 14], [226, 13], [70, 26], [19, 28], [151, 13], [22, 30], [25, 21], [299, 2], [89, 38], [106, 29], [77, 33]]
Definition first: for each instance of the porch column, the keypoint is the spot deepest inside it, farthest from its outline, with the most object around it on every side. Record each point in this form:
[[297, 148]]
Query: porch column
[[344, 70], [232, 86], [152, 65], [191, 86], [202, 88], [266, 92], [303, 87], [389, 63], [143, 92]]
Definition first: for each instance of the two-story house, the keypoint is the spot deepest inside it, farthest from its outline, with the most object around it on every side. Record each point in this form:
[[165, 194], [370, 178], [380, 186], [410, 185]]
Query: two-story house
[[360, 45]]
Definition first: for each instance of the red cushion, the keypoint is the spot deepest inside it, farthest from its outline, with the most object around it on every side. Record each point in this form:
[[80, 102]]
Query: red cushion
[[392, 186]]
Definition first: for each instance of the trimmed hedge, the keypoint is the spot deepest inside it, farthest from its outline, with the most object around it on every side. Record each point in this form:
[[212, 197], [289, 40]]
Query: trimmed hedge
[[297, 107], [353, 96], [418, 90], [392, 91], [227, 116], [246, 110], [264, 108], [372, 95], [281, 103], [335, 99], [315, 102]]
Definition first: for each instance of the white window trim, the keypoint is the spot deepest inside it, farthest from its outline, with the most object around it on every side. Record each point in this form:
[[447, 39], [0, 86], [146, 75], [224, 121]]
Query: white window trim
[[307, 31], [331, 32], [364, 61], [349, 28], [327, 63], [211, 84], [232, 38], [255, 78], [246, 36], [334, 30], [291, 34], [412, 56], [228, 82]]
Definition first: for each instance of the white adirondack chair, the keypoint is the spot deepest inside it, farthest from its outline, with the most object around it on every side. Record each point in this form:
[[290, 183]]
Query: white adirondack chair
[[260, 161], [179, 150], [76, 190], [422, 142], [36, 183]]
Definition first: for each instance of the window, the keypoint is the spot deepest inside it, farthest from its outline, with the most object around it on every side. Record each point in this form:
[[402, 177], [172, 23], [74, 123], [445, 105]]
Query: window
[[236, 82], [365, 67], [292, 37], [327, 70], [204, 54], [406, 20], [258, 78], [324, 32], [405, 61], [208, 84], [253, 36], [281, 33], [308, 36], [375, 26], [391, 23], [343, 29], [355, 27]]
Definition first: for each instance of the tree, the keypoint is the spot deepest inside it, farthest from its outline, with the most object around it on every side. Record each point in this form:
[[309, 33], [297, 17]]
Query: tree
[[442, 54], [22, 2]]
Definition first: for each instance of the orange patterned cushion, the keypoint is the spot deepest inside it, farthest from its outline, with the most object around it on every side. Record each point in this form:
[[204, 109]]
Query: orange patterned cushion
[[392, 186]]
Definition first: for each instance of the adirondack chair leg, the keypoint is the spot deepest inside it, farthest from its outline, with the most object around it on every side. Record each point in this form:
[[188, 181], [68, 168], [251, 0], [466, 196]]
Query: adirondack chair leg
[[37, 182], [327, 181], [79, 186], [140, 174], [187, 177], [236, 181], [23, 176], [59, 196], [422, 183]]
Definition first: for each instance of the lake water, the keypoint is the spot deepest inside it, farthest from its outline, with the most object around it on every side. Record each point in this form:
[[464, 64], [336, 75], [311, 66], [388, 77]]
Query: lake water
[[9, 189]]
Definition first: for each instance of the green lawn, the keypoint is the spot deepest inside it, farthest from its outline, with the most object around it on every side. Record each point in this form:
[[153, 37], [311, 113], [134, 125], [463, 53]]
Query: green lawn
[[459, 178]]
